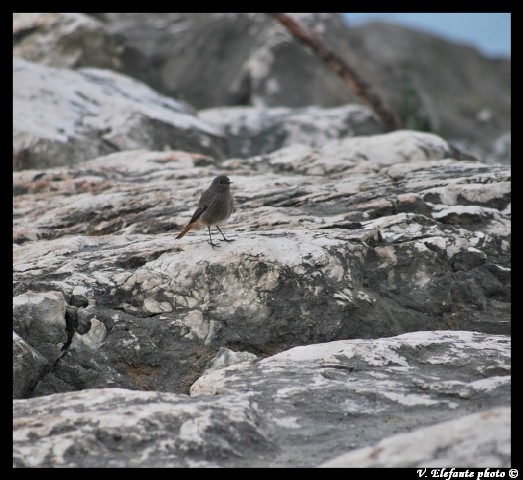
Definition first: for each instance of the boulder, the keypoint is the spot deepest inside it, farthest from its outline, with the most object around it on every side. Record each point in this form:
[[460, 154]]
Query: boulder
[[28, 367], [364, 237], [220, 59], [255, 131], [40, 319], [120, 428], [299, 408], [481, 439], [65, 40], [64, 117]]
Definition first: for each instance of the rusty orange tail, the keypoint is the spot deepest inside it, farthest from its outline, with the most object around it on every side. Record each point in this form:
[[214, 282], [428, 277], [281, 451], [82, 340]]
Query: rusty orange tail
[[186, 229]]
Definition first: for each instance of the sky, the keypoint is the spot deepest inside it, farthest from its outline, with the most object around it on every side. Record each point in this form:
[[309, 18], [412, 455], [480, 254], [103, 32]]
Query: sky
[[488, 32]]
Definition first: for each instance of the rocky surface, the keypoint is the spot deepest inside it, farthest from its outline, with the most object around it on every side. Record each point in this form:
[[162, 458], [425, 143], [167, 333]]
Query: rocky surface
[[300, 407], [450, 88], [481, 439], [40, 319], [255, 131], [363, 238], [28, 367], [64, 117], [219, 59], [66, 40], [283, 347], [216, 60]]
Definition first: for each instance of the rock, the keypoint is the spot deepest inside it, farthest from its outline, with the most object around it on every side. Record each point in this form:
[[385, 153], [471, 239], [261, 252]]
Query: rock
[[64, 117], [298, 408], [356, 239], [327, 398], [124, 428], [480, 440], [225, 358], [501, 151], [77, 40], [28, 367], [446, 100], [214, 60], [254, 131], [39, 318], [367, 292], [65, 40], [259, 63]]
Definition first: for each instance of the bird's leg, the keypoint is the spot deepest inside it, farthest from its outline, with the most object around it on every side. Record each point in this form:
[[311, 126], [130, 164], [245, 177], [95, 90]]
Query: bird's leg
[[226, 239], [210, 239]]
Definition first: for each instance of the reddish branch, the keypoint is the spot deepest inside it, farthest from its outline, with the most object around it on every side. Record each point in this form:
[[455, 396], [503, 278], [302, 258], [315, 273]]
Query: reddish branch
[[349, 76]]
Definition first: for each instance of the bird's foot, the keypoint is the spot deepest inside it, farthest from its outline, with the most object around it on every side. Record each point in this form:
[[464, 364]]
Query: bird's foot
[[214, 245], [227, 239]]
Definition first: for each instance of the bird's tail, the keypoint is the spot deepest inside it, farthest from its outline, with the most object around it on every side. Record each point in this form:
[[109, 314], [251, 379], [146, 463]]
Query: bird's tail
[[186, 229]]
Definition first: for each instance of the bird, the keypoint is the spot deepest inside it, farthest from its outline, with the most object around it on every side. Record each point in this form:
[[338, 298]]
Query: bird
[[215, 206]]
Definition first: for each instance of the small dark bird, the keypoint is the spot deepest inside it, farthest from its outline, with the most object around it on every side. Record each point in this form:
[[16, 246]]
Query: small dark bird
[[215, 206]]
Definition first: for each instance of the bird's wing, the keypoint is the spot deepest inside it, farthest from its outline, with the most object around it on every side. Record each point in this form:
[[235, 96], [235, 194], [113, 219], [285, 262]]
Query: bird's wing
[[198, 212], [206, 198]]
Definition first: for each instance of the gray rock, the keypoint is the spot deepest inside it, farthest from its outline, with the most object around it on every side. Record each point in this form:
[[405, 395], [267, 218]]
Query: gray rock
[[226, 358], [212, 60], [124, 428], [217, 59], [254, 131], [363, 238], [64, 117], [28, 367], [451, 100], [39, 318], [322, 400], [501, 151], [298, 408], [65, 40], [481, 440]]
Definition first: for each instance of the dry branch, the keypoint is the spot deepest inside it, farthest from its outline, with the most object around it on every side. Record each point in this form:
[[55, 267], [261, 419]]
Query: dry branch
[[340, 66]]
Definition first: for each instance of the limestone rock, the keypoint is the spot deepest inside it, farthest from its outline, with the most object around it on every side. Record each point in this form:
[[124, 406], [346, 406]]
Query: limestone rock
[[332, 397], [223, 59], [367, 291], [364, 237], [298, 408], [124, 428], [219, 59], [65, 40], [39, 318], [481, 440], [28, 367], [64, 117], [254, 131]]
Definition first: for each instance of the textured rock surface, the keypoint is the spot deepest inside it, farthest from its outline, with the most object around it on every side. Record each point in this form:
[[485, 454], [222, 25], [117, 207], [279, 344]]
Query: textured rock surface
[[254, 131], [28, 367], [221, 59], [320, 399], [64, 117], [298, 408], [66, 40], [363, 238], [39, 318], [468, 101], [481, 439], [342, 240], [124, 428]]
